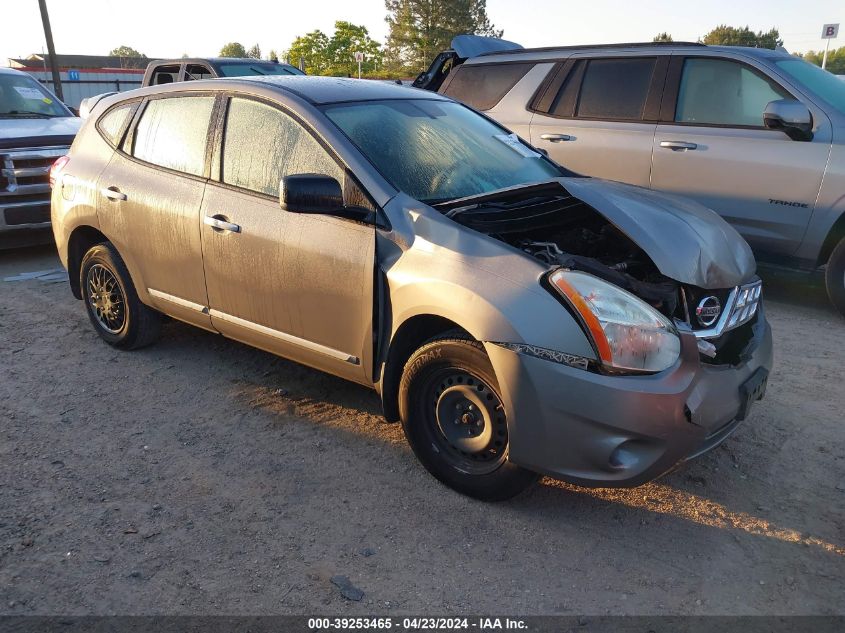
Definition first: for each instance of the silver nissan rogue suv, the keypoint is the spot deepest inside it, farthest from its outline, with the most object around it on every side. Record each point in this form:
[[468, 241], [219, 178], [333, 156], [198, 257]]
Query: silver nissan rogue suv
[[517, 319]]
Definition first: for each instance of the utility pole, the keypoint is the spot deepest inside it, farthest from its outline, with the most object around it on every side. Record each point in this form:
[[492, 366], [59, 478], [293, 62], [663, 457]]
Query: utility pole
[[51, 50]]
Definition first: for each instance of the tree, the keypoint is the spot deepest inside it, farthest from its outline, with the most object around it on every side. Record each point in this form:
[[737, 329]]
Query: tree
[[254, 52], [233, 49], [420, 29], [273, 55], [348, 39], [125, 51], [725, 35], [310, 50], [835, 59], [663, 37]]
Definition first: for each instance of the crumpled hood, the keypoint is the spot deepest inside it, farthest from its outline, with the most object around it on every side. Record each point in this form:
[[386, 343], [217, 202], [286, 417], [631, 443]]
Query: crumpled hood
[[37, 132], [686, 241]]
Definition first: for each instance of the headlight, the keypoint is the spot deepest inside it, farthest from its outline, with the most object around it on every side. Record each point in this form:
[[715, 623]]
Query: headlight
[[628, 333]]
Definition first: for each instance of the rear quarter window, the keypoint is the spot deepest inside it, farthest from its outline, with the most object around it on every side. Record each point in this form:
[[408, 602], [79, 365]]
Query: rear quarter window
[[113, 123], [482, 86]]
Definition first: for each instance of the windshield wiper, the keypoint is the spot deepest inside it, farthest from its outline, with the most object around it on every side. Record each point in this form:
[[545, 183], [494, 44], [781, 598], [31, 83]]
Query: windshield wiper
[[256, 71], [28, 113]]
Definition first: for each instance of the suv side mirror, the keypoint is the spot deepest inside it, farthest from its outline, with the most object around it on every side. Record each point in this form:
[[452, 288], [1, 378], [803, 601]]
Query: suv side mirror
[[791, 117], [318, 194], [310, 193]]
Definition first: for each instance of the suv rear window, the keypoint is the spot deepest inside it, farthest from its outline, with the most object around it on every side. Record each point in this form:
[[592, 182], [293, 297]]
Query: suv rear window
[[172, 133], [113, 122], [615, 88], [483, 85]]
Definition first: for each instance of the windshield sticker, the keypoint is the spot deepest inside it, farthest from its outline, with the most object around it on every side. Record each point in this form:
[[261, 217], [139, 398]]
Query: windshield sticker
[[512, 141], [29, 93], [47, 100]]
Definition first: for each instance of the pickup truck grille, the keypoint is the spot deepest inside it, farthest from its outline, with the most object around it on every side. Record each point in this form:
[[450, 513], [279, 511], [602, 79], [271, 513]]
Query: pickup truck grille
[[25, 186]]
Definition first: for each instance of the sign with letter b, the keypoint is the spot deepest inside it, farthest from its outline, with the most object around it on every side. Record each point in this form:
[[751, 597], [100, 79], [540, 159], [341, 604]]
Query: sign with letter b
[[830, 31]]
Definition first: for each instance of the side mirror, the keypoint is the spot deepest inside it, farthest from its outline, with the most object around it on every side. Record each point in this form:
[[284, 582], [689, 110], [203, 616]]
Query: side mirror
[[319, 194], [311, 193], [791, 117]]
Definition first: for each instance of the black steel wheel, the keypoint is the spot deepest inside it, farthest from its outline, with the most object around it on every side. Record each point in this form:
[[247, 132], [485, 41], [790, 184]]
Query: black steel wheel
[[112, 304], [455, 421], [835, 277]]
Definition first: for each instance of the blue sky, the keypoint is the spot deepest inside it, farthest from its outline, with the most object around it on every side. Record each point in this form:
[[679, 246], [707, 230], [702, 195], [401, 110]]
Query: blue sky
[[200, 27]]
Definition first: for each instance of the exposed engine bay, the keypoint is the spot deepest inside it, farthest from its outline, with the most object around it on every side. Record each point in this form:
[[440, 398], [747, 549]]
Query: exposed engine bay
[[561, 230]]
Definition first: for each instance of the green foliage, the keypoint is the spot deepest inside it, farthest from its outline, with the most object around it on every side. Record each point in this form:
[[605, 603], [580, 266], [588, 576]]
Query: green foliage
[[233, 49], [273, 54], [663, 37], [310, 49], [254, 52], [333, 56], [835, 59], [347, 40], [420, 29], [125, 51], [725, 35]]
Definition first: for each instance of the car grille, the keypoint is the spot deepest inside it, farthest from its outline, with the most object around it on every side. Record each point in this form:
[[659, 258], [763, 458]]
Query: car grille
[[25, 185], [724, 336]]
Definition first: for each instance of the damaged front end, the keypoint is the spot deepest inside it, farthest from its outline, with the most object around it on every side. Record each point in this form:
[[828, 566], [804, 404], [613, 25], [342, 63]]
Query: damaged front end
[[678, 257]]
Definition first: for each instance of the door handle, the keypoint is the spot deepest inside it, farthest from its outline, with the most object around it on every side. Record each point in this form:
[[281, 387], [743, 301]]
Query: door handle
[[219, 223], [113, 193], [678, 145], [556, 138]]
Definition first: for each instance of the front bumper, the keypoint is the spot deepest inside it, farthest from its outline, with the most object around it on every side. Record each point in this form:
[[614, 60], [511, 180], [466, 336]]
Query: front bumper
[[599, 430]]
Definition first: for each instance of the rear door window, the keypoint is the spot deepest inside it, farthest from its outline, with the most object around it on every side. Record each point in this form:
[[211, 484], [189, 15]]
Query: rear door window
[[172, 133], [262, 144], [482, 86], [723, 92], [615, 88]]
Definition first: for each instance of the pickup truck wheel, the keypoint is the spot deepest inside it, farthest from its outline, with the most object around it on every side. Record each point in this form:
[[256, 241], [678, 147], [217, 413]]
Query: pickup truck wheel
[[453, 417], [113, 306], [835, 277]]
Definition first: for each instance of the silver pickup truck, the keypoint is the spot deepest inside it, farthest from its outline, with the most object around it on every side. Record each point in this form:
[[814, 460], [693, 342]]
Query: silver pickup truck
[[35, 129], [757, 135]]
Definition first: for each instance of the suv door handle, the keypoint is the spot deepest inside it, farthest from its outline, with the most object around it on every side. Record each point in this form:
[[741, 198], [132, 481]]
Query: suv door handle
[[219, 223], [113, 193], [556, 138], [678, 145]]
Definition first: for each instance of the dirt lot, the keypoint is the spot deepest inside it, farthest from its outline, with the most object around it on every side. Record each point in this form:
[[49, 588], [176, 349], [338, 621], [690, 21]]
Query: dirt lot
[[202, 476]]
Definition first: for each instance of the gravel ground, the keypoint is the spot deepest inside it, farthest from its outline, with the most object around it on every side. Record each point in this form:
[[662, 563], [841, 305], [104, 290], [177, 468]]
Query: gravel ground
[[203, 476]]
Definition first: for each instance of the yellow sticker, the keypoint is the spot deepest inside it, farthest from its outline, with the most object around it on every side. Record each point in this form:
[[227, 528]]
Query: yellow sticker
[[47, 100]]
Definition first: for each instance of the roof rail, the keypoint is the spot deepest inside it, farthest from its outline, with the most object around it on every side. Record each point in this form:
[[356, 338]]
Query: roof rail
[[546, 49]]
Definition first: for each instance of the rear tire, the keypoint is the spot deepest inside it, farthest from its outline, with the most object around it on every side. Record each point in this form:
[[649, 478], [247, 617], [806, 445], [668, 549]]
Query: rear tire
[[835, 277], [453, 418], [112, 304]]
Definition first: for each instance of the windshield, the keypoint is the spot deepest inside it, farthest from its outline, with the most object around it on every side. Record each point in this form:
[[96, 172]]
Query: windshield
[[22, 96], [439, 150], [822, 83], [259, 68]]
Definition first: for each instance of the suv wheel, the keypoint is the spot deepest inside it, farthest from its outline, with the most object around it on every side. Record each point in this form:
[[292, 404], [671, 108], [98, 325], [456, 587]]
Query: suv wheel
[[835, 277], [454, 420], [113, 306]]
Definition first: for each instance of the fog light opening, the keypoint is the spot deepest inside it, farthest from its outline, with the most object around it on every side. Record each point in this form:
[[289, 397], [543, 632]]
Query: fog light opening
[[623, 456]]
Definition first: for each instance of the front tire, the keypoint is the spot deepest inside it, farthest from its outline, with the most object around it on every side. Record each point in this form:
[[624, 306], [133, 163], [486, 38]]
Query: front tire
[[112, 304], [453, 418], [835, 277]]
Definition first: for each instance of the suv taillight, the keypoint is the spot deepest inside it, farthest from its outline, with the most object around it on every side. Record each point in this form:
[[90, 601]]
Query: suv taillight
[[56, 169]]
